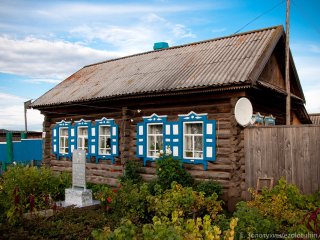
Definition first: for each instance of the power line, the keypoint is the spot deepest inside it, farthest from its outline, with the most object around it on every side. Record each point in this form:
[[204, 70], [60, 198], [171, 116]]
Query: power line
[[259, 16]]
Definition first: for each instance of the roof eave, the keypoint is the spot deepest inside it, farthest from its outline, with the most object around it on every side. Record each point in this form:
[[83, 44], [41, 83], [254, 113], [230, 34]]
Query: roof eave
[[243, 85]]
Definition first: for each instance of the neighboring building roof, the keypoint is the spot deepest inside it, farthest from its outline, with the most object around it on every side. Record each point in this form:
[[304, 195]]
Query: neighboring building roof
[[233, 60], [315, 118], [2, 131]]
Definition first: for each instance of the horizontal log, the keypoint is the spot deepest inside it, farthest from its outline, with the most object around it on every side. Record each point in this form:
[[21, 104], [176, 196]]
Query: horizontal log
[[103, 173], [102, 180], [61, 169], [61, 163], [210, 174], [148, 170], [224, 183], [104, 166], [211, 166], [148, 177]]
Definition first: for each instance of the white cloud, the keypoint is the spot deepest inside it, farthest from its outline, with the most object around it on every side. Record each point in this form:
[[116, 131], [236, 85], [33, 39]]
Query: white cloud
[[46, 59], [312, 99], [181, 31], [12, 114], [137, 38], [307, 60], [308, 69], [82, 10]]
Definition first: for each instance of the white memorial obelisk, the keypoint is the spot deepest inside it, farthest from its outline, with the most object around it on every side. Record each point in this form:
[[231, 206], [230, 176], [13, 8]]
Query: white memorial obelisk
[[78, 195]]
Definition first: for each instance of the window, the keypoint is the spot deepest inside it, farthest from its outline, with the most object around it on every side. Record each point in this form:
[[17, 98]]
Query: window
[[193, 140], [83, 138], [155, 139], [104, 140], [63, 140]]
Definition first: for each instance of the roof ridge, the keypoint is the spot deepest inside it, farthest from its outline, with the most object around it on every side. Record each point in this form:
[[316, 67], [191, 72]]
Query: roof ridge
[[186, 45]]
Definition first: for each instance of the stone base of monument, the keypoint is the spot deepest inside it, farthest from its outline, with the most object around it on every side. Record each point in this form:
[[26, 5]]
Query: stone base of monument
[[78, 197]]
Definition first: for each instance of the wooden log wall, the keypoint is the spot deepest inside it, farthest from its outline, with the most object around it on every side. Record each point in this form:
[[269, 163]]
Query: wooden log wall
[[226, 169], [292, 152]]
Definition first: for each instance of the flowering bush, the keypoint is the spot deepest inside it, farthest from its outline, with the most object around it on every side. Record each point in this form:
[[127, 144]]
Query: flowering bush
[[105, 195], [185, 201], [27, 189]]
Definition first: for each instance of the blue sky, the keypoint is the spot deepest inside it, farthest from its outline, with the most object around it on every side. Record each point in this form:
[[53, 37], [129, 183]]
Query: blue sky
[[43, 42]]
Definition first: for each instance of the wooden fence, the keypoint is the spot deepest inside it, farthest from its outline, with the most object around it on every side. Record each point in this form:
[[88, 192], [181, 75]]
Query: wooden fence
[[289, 151]]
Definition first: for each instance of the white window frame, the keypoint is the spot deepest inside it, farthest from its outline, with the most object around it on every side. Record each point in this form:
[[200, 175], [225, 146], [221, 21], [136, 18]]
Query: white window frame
[[66, 139], [155, 137], [103, 135], [83, 139], [193, 135]]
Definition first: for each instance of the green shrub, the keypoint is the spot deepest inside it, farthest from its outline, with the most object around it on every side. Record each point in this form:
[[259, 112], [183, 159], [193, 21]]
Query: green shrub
[[187, 202], [129, 202], [26, 188], [66, 223], [279, 210], [170, 169], [251, 221], [208, 187], [126, 231], [175, 228], [131, 172]]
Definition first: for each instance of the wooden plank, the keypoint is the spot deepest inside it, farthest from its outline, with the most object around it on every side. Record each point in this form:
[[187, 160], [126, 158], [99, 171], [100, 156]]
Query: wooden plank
[[292, 152]]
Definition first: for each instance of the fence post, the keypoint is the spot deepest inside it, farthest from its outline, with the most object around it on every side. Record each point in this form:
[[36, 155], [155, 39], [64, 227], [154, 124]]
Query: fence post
[[23, 135], [9, 149]]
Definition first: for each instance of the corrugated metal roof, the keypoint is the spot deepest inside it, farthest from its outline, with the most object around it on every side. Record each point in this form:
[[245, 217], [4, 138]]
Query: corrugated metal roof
[[315, 118], [212, 63]]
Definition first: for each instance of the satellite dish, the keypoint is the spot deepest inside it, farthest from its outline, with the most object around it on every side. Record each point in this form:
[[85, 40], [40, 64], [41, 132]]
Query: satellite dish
[[243, 112]]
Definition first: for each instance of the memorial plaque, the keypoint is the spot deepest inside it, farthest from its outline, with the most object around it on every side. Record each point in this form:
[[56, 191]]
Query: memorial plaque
[[79, 169]]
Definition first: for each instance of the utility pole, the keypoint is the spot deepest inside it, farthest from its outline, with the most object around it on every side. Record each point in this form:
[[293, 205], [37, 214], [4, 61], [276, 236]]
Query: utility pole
[[27, 105], [287, 75]]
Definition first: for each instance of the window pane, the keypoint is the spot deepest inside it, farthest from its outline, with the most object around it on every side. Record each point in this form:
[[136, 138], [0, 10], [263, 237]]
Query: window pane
[[188, 143], [152, 153], [102, 142], [188, 154], [80, 143], [66, 150], [155, 129], [104, 130], [83, 131], [62, 141], [151, 143], [63, 132], [198, 143], [108, 142], [198, 154], [86, 142], [196, 128], [66, 142], [159, 143]]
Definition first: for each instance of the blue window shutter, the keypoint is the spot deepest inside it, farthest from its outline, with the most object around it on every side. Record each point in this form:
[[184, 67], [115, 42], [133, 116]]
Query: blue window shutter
[[167, 136], [114, 140], [93, 140], [141, 140], [210, 140], [176, 139], [72, 139], [55, 140]]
